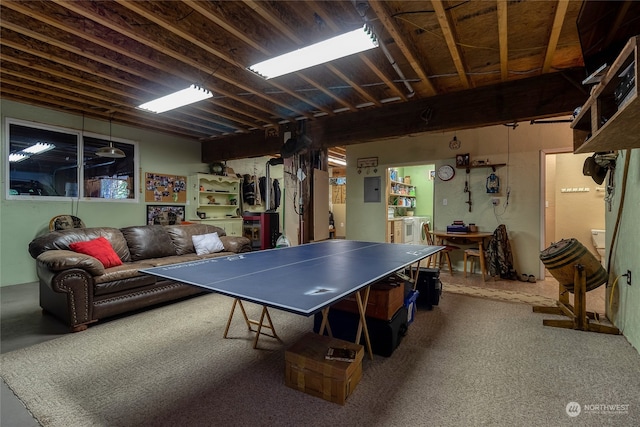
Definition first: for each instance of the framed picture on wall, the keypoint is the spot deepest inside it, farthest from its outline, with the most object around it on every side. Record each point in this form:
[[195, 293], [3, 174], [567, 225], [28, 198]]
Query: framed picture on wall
[[462, 159], [164, 214]]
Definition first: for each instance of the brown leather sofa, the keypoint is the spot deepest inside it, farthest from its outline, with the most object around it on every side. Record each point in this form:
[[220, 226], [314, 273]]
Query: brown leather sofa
[[79, 290]]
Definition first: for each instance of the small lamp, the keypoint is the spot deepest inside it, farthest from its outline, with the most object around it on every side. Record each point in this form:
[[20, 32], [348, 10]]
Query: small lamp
[[110, 151], [493, 184]]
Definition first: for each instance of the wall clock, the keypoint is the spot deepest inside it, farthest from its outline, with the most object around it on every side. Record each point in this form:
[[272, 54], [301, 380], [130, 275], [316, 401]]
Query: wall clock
[[446, 172]]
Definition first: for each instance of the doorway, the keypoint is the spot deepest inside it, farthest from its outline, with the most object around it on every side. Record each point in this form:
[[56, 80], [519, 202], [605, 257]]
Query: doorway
[[338, 201], [572, 204], [409, 202]]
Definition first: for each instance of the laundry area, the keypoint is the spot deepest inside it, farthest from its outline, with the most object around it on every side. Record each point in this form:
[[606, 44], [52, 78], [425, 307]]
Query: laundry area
[[409, 197]]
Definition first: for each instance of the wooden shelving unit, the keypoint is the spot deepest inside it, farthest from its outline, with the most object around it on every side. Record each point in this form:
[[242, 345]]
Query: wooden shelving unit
[[602, 125], [217, 197], [405, 192], [493, 166]]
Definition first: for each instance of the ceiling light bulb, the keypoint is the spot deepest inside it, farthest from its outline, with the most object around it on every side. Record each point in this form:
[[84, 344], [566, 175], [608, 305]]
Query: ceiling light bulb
[[325, 51], [17, 157], [177, 99], [337, 161], [40, 147]]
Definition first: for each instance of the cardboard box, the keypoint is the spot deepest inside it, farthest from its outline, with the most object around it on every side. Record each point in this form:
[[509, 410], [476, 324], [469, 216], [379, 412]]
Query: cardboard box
[[384, 300], [307, 370]]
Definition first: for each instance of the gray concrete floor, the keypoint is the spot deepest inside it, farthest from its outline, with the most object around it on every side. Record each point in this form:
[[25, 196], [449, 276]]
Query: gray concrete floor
[[23, 324]]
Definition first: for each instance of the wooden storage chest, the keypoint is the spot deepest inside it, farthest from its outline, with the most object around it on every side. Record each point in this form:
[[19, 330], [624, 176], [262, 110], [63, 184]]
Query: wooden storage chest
[[307, 370], [384, 300]]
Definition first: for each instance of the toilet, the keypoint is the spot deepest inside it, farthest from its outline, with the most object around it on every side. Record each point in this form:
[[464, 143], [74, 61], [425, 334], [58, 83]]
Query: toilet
[[599, 241]]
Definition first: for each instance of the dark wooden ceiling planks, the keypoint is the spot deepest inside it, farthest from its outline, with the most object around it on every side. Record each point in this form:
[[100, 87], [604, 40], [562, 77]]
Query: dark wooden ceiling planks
[[102, 59]]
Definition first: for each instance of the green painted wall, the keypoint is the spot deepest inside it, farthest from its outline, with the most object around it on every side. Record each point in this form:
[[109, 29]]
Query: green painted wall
[[623, 301], [21, 221], [424, 188]]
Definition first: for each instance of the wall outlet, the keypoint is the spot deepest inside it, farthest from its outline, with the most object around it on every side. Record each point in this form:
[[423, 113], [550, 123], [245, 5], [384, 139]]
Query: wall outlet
[[628, 277], [444, 202], [495, 201]]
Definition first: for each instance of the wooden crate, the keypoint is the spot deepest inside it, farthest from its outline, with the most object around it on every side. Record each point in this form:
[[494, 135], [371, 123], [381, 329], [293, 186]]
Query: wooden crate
[[384, 301], [307, 370]]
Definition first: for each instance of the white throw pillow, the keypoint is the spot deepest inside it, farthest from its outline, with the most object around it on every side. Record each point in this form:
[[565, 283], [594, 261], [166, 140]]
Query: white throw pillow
[[207, 243]]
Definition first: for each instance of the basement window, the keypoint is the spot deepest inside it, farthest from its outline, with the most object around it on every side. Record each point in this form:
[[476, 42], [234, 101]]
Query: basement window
[[53, 163]]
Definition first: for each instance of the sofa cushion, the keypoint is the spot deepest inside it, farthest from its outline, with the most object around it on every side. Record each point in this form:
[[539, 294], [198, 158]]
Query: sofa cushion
[[100, 249], [182, 235], [169, 260], [207, 243], [148, 241], [56, 240], [123, 278], [120, 272]]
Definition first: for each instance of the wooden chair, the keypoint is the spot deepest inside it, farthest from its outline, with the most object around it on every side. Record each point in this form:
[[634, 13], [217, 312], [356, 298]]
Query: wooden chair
[[471, 255], [65, 222], [443, 253]]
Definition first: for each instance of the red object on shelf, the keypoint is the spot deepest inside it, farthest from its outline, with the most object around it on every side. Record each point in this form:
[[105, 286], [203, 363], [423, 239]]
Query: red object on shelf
[[262, 228]]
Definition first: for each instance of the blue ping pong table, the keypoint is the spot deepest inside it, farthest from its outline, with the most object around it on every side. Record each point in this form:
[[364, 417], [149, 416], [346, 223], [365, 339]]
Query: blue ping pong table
[[303, 279]]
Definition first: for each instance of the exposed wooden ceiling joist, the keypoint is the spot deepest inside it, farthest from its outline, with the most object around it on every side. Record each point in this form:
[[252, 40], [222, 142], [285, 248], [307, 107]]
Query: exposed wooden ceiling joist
[[102, 59]]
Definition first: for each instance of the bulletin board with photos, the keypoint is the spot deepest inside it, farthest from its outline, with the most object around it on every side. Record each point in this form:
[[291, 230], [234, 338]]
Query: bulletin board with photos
[[165, 188]]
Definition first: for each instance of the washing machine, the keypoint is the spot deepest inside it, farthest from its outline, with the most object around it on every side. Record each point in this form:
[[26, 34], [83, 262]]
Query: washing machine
[[419, 236]]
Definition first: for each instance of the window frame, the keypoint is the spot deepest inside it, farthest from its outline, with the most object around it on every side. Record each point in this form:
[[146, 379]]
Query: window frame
[[136, 176], [79, 135]]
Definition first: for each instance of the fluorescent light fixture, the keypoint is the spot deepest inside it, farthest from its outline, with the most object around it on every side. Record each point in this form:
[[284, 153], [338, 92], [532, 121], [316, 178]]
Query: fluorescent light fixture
[[17, 157], [177, 99], [40, 147], [337, 161], [325, 51]]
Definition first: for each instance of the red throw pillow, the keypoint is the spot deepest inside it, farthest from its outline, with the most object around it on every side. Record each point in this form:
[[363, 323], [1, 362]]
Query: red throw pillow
[[99, 248]]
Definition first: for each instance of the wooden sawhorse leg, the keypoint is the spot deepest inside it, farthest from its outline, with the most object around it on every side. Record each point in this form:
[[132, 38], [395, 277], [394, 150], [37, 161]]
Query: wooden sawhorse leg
[[362, 297], [259, 323]]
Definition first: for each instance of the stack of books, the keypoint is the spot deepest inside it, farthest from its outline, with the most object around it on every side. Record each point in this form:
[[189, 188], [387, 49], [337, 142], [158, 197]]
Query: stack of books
[[341, 354], [457, 227]]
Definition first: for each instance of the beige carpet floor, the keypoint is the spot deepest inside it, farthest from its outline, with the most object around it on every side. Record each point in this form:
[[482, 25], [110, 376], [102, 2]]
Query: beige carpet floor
[[500, 295], [470, 361]]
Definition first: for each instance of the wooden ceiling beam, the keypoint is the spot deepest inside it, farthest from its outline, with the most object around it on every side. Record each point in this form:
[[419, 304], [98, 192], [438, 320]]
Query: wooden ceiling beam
[[452, 44], [102, 60], [107, 22], [75, 105], [390, 26], [503, 39], [556, 28], [281, 26], [157, 19], [538, 97], [329, 20]]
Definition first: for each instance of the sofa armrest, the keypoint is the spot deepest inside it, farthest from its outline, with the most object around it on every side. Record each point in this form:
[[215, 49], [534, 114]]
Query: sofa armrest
[[61, 259], [236, 244], [68, 294]]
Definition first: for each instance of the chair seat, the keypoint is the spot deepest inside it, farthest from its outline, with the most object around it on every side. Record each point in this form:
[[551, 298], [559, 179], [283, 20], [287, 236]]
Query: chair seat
[[469, 255], [451, 248]]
